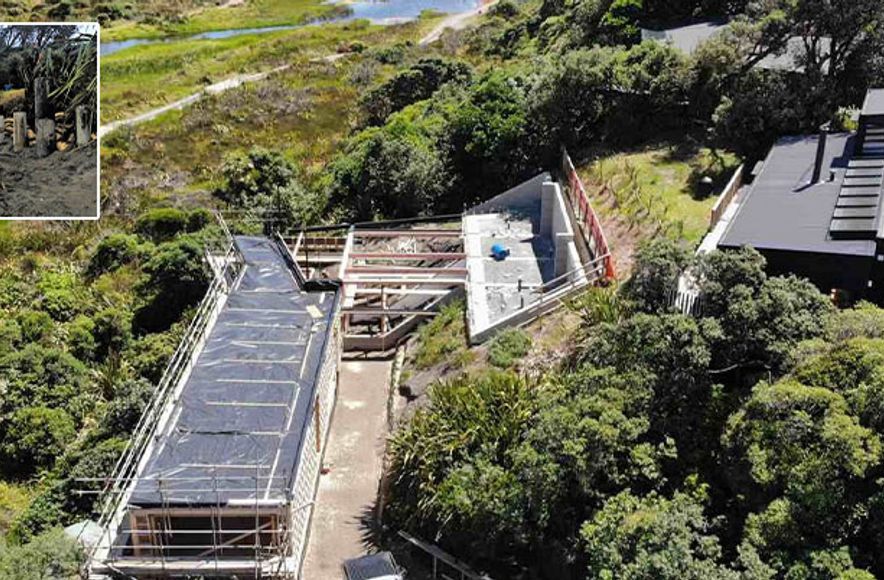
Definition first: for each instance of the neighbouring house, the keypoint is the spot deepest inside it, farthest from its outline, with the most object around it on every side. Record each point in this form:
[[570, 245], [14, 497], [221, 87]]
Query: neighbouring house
[[688, 38], [814, 208]]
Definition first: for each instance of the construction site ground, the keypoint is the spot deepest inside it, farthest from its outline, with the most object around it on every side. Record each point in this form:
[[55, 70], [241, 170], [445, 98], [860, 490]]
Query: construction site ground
[[61, 185], [342, 525]]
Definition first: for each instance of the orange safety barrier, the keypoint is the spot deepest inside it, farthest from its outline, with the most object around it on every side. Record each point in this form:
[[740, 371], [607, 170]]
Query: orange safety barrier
[[587, 217]]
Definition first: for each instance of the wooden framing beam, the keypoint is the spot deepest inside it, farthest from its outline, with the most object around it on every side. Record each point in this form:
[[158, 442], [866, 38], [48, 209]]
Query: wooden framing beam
[[408, 256], [400, 280], [406, 270], [389, 312], [401, 291], [408, 233]]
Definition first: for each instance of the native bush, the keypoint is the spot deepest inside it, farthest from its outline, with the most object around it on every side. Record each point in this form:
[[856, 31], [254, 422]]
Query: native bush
[[35, 437], [508, 347], [416, 83], [112, 252], [49, 555], [161, 224]]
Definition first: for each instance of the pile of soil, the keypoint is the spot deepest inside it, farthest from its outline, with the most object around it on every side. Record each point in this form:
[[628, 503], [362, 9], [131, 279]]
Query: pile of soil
[[61, 185]]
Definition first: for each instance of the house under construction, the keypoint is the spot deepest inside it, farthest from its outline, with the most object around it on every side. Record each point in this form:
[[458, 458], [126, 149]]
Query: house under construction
[[220, 477]]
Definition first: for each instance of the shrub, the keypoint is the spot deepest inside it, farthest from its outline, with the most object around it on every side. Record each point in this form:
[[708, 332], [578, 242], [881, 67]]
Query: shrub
[[388, 173], [10, 336], [414, 84], [49, 555], [508, 347], [149, 354], [123, 412], [81, 339], [13, 500], [112, 331], [93, 462], [177, 278], [61, 294], [265, 182], [112, 252], [37, 375], [36, 436], [389, 54], [441, 337], [198, 219], [161, 224], [505, 9], [35, 326]]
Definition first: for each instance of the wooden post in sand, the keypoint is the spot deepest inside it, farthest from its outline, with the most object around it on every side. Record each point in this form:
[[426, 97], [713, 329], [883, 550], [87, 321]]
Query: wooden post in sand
[[41, 99], [83, 132], [45, 137], [19, 131]]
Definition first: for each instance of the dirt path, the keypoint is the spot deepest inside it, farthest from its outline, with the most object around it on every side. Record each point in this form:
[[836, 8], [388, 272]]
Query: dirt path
[[455, 22], [61, 185], [213, 89], [354, 456]]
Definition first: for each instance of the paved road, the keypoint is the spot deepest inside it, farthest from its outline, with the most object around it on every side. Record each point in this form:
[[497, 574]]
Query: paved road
[[354, 457]]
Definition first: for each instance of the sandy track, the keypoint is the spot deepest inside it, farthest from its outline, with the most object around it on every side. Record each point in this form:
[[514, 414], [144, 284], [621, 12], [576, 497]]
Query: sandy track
[[213, 89], [455, 22], [61, 185]]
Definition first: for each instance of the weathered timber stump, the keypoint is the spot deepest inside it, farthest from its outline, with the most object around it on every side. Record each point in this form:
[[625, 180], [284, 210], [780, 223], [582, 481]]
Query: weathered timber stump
[[45, 137], [19, 131], [83, 133], [41, 99]]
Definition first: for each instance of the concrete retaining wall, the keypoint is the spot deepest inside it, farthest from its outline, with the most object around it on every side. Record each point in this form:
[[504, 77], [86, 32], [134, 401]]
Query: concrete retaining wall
[[523, 195]]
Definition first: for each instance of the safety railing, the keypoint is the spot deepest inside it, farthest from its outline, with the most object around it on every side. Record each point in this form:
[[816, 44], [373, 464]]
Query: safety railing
[[442, 559], [588, 221], [727, 196]]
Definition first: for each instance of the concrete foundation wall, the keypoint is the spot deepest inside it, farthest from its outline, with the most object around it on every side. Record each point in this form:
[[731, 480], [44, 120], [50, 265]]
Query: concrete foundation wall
[[523, 195], [555, 224]]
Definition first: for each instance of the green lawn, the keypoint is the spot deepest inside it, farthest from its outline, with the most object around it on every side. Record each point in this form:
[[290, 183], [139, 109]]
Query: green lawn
[[249, 14], [657, 189]]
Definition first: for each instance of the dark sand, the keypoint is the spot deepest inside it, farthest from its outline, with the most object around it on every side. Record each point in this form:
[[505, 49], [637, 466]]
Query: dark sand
[[61, 185]]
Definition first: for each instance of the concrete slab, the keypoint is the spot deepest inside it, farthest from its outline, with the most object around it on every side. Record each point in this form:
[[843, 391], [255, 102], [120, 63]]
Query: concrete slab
[[354, 457], [494, 285]]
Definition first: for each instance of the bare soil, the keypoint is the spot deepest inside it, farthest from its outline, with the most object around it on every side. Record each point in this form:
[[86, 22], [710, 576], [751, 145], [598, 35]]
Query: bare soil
[[61, 185]]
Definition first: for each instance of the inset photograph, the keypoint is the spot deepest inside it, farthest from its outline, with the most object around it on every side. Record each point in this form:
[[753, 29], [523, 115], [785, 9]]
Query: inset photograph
[[49, 114]]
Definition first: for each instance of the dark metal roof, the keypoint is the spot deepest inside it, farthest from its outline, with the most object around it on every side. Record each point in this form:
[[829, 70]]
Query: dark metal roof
[[688, 38], [859, 201], [243, 408], [782, 211]]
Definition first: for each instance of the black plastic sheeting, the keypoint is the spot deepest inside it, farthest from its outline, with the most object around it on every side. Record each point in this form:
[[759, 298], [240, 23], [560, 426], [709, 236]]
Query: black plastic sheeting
[[236, 429]]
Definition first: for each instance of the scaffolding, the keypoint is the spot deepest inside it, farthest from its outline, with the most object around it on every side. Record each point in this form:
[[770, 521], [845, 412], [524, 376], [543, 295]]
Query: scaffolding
[[240, 506]]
